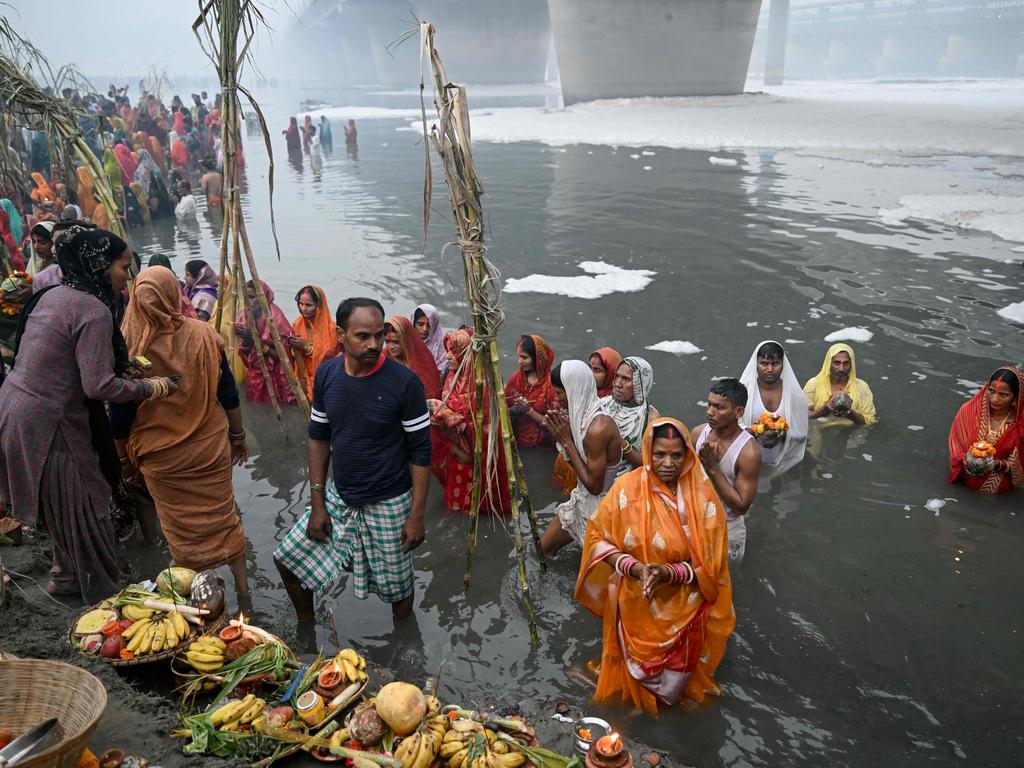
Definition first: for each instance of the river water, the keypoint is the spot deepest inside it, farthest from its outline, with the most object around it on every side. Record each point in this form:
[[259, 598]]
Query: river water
[[878, 618]]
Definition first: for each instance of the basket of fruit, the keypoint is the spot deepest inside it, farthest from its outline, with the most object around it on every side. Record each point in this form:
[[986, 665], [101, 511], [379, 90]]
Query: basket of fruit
[[770, 429], [980, 458], [146, 623]]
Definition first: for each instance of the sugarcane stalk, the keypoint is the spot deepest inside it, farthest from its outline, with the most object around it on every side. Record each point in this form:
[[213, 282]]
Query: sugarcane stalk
[[478, 479]]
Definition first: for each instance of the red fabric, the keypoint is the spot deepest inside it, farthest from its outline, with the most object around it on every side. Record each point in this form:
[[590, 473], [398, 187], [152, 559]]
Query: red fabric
[[611, 360], [541, 396], [17, 261], [970, 425], [417, 356], [461, 405], [255, 387], [128, 163]]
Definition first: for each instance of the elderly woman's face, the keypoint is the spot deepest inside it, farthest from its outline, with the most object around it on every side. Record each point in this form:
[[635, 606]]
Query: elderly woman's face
[[667, 457]]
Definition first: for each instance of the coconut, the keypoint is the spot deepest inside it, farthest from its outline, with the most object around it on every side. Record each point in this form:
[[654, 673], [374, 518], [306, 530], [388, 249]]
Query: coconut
[[175, 580], [402, 706], [365, 725]]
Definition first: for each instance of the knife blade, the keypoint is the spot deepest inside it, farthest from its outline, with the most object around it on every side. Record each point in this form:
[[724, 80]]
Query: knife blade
[[25, 743]]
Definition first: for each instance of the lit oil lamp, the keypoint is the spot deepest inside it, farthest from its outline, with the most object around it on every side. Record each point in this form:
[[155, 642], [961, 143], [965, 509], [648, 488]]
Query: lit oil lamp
[[608, 752]]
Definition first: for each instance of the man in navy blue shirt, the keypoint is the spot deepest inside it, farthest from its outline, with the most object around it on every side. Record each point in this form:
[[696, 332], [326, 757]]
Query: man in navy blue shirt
[[369, 419]]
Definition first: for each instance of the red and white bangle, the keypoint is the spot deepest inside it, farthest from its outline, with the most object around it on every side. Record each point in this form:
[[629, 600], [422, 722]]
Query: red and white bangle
[[682, 573], [624, 564]]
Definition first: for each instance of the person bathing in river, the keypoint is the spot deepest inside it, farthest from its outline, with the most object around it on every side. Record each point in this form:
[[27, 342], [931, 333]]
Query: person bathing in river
[[185, 210], [773, 387], [369, 420], [655, 569], [255, 385], [211, 184], [731, 458], [837, 392], [530, 394], [427, 320], [630, 406], [995, 416], [314, 335], [201, 285], [588, 437], [403, 344]]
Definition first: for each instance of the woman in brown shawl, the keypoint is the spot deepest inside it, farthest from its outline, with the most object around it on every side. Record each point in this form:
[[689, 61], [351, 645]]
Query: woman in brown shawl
[[184, 446]]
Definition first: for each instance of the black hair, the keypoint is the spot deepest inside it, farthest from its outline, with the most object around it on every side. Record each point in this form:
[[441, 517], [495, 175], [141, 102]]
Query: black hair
[[418, 314], [667, 432], [348, 306], [41, 231], [313, 295], [556, 376], [732, 390], [185, 185], [770, 350], [159, 260], [195, 266], [530, 348], [1009, 378]]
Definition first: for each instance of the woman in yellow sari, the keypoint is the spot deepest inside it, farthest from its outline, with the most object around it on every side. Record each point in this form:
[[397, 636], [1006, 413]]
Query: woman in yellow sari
[[655, 569]]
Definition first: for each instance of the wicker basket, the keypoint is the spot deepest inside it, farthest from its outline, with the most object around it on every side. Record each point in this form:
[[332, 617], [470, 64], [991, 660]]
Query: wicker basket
[[35, 690]]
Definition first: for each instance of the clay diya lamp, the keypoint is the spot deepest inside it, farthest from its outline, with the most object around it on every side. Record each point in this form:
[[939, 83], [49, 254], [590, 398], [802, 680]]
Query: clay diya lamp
[[112, 758], [608, 752], [230, 634], [330, 681]]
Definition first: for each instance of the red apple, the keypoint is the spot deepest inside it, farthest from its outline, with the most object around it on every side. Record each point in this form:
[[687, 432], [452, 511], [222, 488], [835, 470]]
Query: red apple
[[111, 648]]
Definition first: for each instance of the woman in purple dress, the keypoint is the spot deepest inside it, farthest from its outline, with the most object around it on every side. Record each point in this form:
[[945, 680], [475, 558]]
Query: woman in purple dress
[[55, 442]]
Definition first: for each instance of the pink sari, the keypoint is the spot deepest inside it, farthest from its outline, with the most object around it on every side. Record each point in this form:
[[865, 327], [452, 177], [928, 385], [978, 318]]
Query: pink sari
[[255, 386]]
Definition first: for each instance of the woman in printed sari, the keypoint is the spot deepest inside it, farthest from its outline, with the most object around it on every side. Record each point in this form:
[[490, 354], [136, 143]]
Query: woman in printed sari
[[255, 386], [315, 336], [995, 416], [529, 393], [184, 446], [427, 320], [655, 570], [456, 417], [201, 285], [630, 406]]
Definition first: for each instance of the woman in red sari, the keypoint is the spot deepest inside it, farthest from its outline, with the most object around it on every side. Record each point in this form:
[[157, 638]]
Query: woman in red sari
[[529, 393], [255, 386], [456, 417], [995, 416]]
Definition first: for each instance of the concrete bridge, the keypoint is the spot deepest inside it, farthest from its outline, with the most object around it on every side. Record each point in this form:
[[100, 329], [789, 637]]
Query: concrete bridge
[[604, 48], [890, 38]]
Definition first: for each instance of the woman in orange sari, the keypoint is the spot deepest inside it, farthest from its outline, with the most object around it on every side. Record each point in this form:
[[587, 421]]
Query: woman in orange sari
[[86, 200], [995, 416], [315, 336], [456, 417], [655, 569]]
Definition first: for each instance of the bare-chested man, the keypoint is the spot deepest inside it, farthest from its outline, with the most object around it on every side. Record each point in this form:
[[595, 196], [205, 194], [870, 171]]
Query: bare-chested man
[[211, 183], [731, 457], [591, 444]]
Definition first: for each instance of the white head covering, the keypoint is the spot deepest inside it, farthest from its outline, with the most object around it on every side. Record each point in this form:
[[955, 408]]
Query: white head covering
[[435, 336], [794, 405], [581, 391], [631, 418]]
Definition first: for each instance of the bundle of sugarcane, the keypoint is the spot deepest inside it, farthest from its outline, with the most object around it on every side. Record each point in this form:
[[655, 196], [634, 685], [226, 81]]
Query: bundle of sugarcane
[[225, 30], [450, 137]]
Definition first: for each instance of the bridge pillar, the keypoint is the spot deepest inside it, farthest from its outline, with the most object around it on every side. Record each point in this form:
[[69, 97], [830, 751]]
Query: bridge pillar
[[778, 29], [622, 48]]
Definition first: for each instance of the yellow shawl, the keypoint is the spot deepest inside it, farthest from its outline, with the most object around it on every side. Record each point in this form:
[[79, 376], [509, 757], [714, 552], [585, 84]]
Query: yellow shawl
[[819, 389]]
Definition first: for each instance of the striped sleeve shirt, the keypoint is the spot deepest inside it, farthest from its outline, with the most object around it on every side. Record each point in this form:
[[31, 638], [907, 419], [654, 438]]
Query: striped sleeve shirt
[[377, 426]]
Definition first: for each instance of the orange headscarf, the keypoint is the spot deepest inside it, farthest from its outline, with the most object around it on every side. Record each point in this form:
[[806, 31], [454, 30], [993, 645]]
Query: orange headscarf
[[42, 192], [417, 355], [611, 360], [157, 151], [322, 333], [682, 628], [85, 187]]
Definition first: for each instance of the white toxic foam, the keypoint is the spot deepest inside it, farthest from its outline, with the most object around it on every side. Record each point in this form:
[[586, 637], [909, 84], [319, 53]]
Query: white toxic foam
[[676, 347], [602, 279], [1014, 312], [857, 334], [999, 215], [722, 161], [934, 505]]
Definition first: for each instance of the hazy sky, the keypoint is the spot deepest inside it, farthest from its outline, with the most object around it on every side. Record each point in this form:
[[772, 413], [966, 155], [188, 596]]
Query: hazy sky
[[122, 37]]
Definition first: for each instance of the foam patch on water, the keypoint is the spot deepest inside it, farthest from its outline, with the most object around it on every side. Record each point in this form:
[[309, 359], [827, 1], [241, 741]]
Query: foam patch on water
[[934, 505], [1014, 312], [676, 347], [856, 333], [723, 161], [999, 215], [603, 279]]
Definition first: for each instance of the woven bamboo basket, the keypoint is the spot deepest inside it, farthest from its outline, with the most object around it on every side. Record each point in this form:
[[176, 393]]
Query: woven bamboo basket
[[36, 690]]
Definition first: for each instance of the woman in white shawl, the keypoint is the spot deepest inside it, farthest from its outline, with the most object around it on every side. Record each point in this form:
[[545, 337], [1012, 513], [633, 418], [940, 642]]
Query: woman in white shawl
[[588, 438], [630, 405], [775, 388]]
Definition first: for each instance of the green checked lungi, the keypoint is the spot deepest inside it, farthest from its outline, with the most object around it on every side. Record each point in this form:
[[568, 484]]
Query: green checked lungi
[[366, 541]]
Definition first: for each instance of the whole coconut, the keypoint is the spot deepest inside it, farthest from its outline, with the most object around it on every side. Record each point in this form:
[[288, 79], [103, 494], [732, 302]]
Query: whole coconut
[[365, 725], [402, 706]]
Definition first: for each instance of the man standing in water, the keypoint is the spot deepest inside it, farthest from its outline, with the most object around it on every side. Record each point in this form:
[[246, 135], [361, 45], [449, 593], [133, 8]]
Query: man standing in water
[[369, 415], [836, 390], [731, 458], [211, 184], [773, 387]]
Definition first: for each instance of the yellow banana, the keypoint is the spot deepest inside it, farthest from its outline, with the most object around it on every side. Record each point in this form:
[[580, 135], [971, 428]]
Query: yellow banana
[[147, 639], [226, 712], [500, 748], [457, 760], [450, 748], [205, 656], [350, 656], [204, 668], [511, 759], [158, 638], [252, 712], [452, 736], [409, 750], [136, 612], [211, 640], [231, 726], [134, 629], [180, 625], [350, 672], [235, 716], [171, 639]]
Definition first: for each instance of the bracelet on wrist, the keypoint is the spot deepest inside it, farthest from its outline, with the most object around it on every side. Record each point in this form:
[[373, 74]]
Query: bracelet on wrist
[[316, 487]]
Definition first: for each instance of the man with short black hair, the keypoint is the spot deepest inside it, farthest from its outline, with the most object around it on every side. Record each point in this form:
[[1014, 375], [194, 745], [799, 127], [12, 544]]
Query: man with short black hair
[[773, 387], [369, 415], [731, 457]]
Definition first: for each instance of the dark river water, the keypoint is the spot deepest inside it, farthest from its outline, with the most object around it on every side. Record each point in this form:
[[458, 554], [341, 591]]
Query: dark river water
[[872, 629]]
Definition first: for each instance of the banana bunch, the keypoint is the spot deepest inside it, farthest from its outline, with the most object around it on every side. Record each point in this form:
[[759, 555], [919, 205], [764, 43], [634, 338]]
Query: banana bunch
[[421, 748], [238, 714], [206, 654], [136, 612], [156, 633], [351, 665], [469, 745]]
